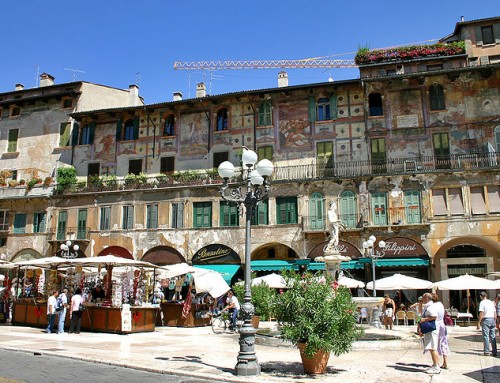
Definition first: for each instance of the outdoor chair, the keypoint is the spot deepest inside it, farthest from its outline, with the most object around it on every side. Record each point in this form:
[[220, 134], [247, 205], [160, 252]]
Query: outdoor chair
[[363, 315], [410, 316], [400, 315]]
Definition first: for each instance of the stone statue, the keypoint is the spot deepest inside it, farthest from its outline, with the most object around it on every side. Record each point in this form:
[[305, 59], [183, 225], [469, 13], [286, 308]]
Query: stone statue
[[335, 224]]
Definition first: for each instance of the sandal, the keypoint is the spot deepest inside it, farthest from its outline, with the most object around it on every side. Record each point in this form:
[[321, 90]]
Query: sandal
[[444, 367]]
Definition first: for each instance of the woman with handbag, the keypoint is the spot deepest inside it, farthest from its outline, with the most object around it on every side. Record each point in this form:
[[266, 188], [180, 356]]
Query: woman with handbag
[[443, 348], [76, 312], [430, 332]]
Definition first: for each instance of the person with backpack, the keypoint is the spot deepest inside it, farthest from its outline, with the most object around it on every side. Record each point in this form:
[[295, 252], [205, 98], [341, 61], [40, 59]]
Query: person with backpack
[[62, 304]]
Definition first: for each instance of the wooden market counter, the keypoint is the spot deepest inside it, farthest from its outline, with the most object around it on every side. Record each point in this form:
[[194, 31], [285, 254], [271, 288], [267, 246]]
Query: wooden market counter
[[172, 315], [94, 318]]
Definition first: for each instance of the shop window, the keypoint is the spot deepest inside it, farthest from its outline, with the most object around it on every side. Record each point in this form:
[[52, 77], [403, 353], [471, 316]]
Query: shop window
[[167, 165], [19, 223], [169, 126], [39, 222], [265, 152], [177, 215], [436, 97], [61, 225], [412, 207], [202, 214], [219, 158], [64, 134], [4, 222], [375, 104], [265, 114], [152, 216], [221, 123], [286, 210], [87, 136], [12, 144], [379, 209], [478, 202], [128, 217], [316, 212], [229, 214], [105, 222], [348, 209], [260, 214], [81, 229]]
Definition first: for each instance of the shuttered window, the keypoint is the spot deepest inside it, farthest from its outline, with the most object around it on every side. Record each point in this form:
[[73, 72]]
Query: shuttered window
[[4, 221], [229, 214], [412, 206], [128, 217], [265, 152], [286, 210], [439, 202], [379, 209], [105, 223], [152, 216], [265, 114], [39, 222], [169, 126], [87, 136], [221, 123], [202, 214], [323, 112], [61, 225], [260, 214], [348, 209], [478, 202], [19, 223], [436, 97], [13, 136], [81, 231], [494, 198], [316, 212], [177, 215], [64, 134], [375, 104], [456, 201]]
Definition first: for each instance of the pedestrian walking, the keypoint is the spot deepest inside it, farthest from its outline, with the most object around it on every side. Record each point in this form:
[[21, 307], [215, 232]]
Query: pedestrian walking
[[431, 338], [63, 301], [487, 321], [76, 312], [443, 348], [497, 305], [51, 311]]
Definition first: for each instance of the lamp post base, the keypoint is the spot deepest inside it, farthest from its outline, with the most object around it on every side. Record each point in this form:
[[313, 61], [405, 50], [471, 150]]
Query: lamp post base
[[247, 364]]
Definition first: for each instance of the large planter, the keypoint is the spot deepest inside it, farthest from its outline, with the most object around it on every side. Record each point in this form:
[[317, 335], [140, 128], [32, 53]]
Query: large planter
[[255, 321], [317, 363]]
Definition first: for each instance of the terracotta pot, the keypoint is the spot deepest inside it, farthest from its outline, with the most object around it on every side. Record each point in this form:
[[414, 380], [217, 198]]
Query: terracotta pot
[[255, 321], [317, 363]]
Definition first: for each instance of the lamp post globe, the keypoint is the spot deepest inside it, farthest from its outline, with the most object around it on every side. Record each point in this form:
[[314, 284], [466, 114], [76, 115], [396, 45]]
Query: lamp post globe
[[265, 167], [226, 170], [249, 158]]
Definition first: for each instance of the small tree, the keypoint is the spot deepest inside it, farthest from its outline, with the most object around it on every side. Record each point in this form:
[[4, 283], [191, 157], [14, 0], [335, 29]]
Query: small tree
[[66, 178]]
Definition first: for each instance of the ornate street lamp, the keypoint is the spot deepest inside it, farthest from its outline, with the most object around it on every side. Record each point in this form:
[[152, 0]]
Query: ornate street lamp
[[257, 188], [369, 247], [66, 250]]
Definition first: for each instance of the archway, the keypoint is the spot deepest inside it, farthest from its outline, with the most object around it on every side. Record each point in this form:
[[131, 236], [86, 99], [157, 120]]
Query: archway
[[117, 251], [163, 255]]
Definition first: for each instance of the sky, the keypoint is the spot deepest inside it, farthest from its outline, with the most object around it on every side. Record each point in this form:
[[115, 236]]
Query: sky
[[119, 43]]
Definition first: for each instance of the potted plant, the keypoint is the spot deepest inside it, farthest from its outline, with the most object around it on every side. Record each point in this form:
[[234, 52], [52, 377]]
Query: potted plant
[[318, 316]]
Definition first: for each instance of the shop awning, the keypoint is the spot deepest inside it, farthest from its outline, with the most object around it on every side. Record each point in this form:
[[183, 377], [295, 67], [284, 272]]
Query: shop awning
[[360, 263], [227, 271], [271, 265]]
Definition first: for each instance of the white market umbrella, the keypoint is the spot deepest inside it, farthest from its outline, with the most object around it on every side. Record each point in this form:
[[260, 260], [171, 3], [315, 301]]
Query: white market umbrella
[[400, 282], [466, 282], [273, 280], [43, 262], [170, 271], [209, 281], [109, 260], [350, 282]]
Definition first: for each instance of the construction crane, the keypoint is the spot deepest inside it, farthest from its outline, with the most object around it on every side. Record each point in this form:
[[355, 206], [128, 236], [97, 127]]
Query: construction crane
[[264, 64]]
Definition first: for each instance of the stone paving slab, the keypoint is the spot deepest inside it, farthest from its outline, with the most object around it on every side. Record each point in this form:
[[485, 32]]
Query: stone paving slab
[[197, 352]]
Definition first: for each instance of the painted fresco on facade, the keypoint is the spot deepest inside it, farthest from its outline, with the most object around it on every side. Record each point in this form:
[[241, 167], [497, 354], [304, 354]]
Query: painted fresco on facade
[[194, 135]]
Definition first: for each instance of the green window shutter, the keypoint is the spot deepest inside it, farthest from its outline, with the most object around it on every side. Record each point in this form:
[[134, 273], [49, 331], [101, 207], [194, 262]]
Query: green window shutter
[[379, 209], [312, 109], [177, 215], [130, 217], [260, 214], [265, 152], [333, 107], [136, 127], [202, 214], [496, 32], [348, 209], [229, 214], [286, 210], [119, 128], [74, 135], [61, 225], [92, 133], [64, 136], [479, 36], [12, 145], [152, 217], [105, 223], [19, 223], [412, 206], [316, 211], [82, 224], [40, 222]]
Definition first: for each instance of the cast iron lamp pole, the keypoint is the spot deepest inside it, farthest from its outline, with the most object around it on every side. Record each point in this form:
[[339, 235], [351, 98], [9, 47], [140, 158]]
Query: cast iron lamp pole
[[66, 250], [254, 176], [368, 246]]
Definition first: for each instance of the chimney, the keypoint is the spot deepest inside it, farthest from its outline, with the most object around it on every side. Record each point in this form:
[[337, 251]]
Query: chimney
[[177, 96], [133, 95], [201, 90], [46, 80], [282, 79], [462, 19], [19, 87]]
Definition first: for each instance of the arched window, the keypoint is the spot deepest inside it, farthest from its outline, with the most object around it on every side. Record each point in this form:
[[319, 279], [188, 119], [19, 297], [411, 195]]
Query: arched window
[[348, 209], [436, 97], [169, 126], [316, 212], [265, 114], [221, 120], [375, 104]]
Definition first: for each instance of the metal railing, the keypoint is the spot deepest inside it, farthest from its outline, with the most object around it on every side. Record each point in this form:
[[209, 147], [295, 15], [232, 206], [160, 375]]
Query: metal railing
[[69, 233]]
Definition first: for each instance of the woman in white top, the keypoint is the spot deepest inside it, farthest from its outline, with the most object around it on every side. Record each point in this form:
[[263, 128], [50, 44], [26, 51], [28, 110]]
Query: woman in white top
[[75, 312], [430, 339], [443, 347]]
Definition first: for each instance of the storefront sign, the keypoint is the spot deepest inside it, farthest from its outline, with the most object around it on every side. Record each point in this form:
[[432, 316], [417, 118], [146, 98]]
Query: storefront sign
[[216, 254], [345, 248], [403, 247]]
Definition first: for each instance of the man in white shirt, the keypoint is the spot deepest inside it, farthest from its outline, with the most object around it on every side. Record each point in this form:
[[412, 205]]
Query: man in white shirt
[[234, 305], [487, 321], [51, 311], [63, 298]]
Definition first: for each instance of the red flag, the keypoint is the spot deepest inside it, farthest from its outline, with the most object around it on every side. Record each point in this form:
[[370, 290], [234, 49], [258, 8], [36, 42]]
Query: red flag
[[186, 308]]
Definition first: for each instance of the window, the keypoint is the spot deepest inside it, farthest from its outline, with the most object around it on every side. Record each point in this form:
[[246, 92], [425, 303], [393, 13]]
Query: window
[[487, 34], [67, 103], [39, 222], [169, 126], [219, 158], [286, 210], [497, 138], [229, 214], [87, 136], [12, 145], [478, 202], [61, 225], [456, 201], [177, 215], [316, 212], [105, 223], [260, 214], [128, 131], [378, 155], [348, 209], [202, 214], [323, 109], [441, 150], [439, 202], [324, 158], [221, 120], [4, 222], [128, 217], [152, 216], [135, 167], [379, 209], [436, 97], [375, 104], [167, 165], [14, 111], [265, 114], [81, 230], [64, 134], [19, 223], [412, 206], [93, 170], [265, 152], [493, 198]]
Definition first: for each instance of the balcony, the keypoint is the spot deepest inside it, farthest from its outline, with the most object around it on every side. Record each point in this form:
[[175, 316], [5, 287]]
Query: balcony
[[70, 233]]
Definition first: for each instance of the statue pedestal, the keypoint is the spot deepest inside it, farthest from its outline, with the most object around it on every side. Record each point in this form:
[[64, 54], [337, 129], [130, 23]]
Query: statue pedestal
[[373, 305], [332, 259]]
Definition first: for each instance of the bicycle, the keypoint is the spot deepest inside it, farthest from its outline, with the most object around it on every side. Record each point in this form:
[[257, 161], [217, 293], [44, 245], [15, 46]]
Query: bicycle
[[222, 322]]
